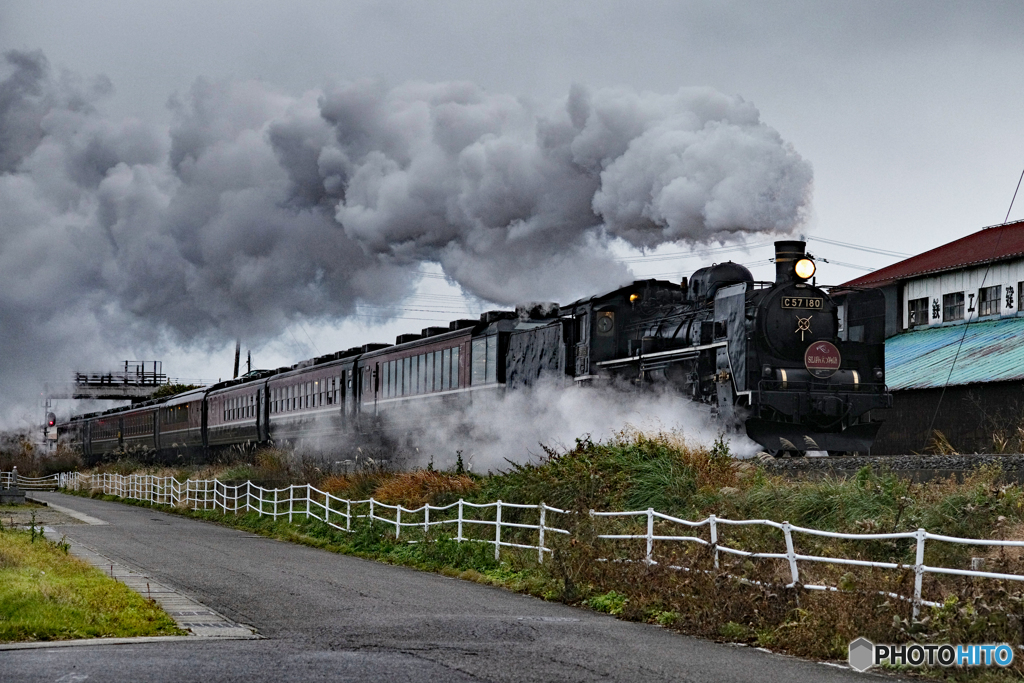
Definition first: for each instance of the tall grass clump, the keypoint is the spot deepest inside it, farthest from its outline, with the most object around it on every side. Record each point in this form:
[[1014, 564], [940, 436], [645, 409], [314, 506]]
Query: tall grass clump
[[632, 470]]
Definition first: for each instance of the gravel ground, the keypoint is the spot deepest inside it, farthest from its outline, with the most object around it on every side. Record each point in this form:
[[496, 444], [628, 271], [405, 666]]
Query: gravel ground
[[896, 463], [21, 516]]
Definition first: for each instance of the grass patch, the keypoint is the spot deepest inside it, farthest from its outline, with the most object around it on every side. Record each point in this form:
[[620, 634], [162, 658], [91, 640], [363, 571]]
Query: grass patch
[[46, 594]]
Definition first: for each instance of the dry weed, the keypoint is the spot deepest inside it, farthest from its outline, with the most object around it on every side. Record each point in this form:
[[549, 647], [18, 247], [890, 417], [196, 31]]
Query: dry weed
[[413, 489]]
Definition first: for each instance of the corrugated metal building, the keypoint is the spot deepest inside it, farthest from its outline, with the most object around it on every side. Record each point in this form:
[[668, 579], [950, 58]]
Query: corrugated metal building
[[955, 342]]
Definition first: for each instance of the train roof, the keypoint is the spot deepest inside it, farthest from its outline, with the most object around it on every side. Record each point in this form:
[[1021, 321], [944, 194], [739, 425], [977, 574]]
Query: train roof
[[633, 286], [184, 397]]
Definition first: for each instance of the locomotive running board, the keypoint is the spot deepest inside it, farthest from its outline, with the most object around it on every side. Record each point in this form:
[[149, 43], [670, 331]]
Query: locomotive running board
[[783, 436], [660, 356]]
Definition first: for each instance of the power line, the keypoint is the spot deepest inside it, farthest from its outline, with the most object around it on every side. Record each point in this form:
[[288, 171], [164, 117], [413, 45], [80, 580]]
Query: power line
[[421, 310], [870, 250], [388, 318], [1014, 197], [846, 265], [692, 254]]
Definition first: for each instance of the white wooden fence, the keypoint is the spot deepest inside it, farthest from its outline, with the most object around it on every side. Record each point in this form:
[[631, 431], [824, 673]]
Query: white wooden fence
[[15, 480], [307, 501]]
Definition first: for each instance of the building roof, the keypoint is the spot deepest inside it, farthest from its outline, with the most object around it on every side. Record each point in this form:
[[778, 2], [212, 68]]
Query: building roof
[[991, 352], [995, 243]]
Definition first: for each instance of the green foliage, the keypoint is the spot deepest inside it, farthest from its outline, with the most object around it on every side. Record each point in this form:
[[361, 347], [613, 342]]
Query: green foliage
[[666, 618], [168, 390], [611, 602], [730, 630], [631, 471]]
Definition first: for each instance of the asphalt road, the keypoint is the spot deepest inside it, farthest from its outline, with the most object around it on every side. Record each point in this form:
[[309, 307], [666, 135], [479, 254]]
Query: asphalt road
[[338, 618]]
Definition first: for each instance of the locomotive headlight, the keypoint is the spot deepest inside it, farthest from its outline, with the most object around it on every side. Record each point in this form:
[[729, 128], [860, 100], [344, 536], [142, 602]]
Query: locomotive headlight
[[633, 298], [879, 374], [804, 268], [767, 372]]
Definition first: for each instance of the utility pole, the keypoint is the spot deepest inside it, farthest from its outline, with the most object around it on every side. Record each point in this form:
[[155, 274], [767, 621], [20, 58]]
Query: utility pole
[[248, 361], [238, 351]]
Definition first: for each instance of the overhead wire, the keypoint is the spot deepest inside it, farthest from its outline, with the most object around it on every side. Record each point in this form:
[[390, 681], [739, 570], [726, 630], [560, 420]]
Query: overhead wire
[[870, 250]]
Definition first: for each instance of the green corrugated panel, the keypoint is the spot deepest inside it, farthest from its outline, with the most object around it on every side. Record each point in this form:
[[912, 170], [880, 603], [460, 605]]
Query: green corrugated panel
[[992, 351]]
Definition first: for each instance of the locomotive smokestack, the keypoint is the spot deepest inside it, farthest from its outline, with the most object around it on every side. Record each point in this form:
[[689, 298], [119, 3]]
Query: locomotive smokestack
[[787, 253]]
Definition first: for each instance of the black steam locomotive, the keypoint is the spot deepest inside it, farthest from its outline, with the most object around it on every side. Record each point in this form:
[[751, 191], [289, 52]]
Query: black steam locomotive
[[798, 368]]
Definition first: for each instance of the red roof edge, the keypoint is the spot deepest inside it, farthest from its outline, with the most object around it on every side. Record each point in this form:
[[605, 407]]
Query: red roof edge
[[993, 243]]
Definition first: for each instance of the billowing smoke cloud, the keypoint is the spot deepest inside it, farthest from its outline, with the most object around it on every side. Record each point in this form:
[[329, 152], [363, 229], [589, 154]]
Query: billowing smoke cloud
[[495, 430], [257, 208]]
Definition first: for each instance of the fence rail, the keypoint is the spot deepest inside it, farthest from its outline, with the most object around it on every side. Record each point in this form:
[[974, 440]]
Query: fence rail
[[14, 480], [340, 513]]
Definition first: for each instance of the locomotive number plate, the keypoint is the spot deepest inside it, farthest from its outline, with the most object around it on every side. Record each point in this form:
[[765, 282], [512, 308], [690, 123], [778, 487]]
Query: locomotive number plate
[[802, 302]]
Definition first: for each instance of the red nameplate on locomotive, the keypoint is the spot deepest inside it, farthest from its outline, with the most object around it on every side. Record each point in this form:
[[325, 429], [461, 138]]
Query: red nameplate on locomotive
[[822, 359]]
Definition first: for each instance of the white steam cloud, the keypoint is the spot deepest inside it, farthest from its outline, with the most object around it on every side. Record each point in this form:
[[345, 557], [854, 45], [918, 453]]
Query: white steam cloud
[[258, 208], [494, 430]]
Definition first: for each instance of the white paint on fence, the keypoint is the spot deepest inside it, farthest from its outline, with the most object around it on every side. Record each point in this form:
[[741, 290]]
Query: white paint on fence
[[208, 494]]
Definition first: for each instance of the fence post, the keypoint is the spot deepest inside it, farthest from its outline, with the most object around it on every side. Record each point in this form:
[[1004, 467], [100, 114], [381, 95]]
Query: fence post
[[371, 509], [348, 515], [458, 537], [275, 504], [291, 501], [919, 571], [540, 538], [790, 553], [650, 535], [497, 531], [398, 521], [309, 501], [426, 518], [714, 537]]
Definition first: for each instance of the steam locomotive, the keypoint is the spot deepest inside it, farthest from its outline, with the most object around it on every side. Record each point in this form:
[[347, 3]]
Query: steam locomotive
[[797, 368]]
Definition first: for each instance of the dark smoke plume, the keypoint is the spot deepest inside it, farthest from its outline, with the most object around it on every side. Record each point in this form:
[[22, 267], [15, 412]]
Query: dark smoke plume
[[257, 208]]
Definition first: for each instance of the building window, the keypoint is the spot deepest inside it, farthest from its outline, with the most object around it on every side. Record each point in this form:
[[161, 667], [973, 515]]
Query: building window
[[917, 312], [988, 300]]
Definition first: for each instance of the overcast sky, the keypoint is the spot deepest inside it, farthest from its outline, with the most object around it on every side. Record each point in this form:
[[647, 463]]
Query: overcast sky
[[908, 113]]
